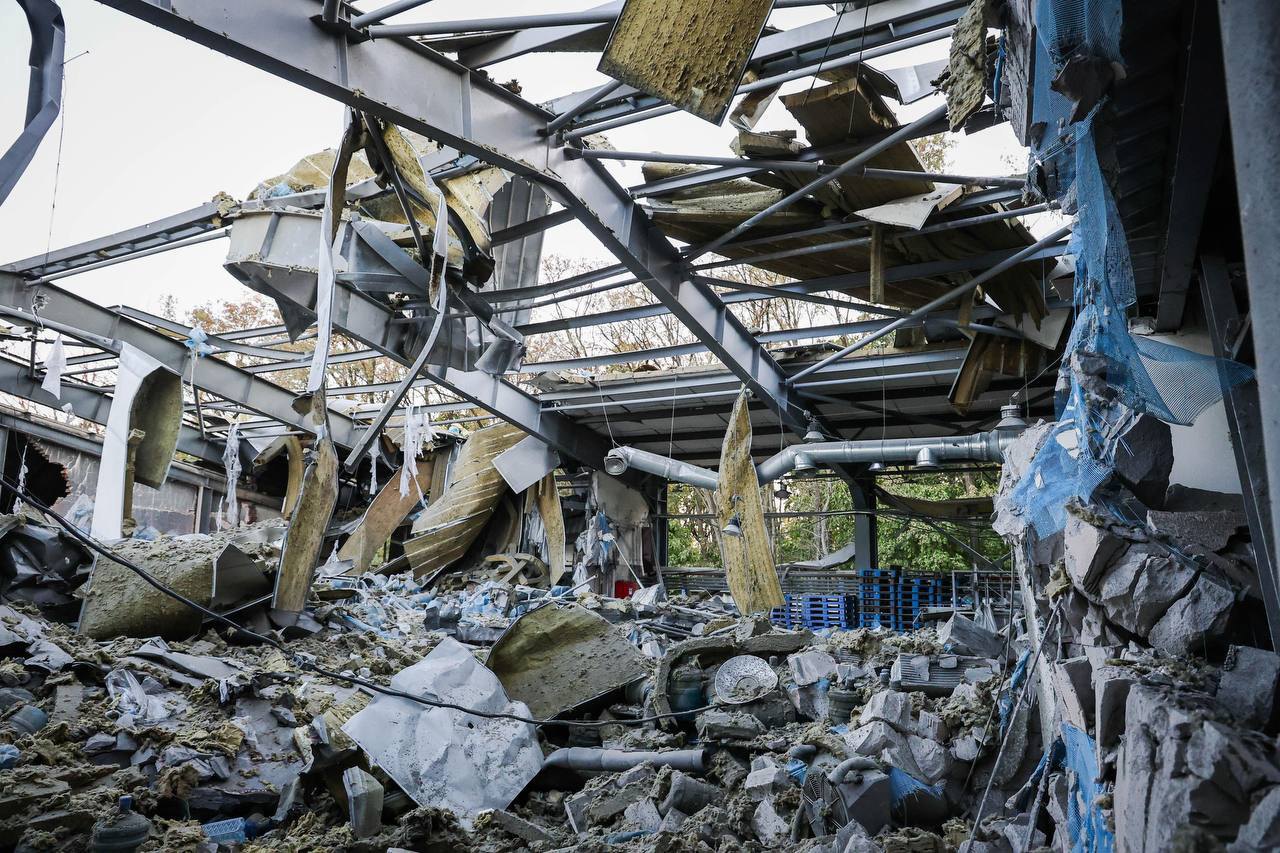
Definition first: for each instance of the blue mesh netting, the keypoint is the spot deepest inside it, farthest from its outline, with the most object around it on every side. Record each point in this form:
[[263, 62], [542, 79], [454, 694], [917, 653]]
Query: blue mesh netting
[[1107, 375], [1087, 826]]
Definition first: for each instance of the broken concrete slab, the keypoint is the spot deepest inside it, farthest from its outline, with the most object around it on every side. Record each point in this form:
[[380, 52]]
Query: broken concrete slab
[[890, 706], [1248, 684], [769, 826], [1196, 617], [964, 636], [364, 802]]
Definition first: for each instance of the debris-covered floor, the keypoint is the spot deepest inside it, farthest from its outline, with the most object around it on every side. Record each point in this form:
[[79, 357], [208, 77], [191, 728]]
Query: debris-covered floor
[[653, 722]]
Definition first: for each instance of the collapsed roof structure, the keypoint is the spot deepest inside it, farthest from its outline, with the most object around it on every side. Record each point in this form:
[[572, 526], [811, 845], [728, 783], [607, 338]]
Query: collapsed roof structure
[[1145, 599]]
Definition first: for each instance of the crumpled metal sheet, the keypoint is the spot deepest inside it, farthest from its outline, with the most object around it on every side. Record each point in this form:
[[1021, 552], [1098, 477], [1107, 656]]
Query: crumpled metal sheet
[[444, 758]]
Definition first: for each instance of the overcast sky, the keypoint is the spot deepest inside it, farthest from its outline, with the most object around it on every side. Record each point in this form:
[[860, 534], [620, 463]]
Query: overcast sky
[[153, 125]]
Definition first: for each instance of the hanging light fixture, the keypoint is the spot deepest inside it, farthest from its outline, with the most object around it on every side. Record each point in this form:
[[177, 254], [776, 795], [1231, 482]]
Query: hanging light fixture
[[875, 468], [782, 492], [814, 435], [734, 527]]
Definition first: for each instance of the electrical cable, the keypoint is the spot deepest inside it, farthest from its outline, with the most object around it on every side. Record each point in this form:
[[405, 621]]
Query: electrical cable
[[302, 661]]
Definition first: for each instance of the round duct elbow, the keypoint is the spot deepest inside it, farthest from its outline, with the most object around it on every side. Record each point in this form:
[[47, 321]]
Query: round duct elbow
[[926, 460], [615, 462]]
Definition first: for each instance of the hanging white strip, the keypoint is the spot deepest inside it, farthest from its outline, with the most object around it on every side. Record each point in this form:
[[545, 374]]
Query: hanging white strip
[[231, 461], [55, 363]]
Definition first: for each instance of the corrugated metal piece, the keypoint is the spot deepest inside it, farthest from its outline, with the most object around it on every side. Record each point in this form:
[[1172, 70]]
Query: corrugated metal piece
[[453, 521]]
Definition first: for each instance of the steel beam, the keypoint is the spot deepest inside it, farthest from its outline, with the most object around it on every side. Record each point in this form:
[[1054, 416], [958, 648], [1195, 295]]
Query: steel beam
[[456, 107], [100, 326], [44, 89], [1203, 115], [91, 404], [1245, 426], [1251, 38], [181, 226]]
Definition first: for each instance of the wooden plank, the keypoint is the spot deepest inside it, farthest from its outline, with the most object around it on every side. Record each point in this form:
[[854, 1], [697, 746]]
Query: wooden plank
[[748, 559]]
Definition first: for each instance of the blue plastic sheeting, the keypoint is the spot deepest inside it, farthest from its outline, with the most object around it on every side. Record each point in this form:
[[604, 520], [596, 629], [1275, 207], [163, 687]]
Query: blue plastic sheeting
[[1006, 701], [1086, 823], [903, 785], [1108, 376]]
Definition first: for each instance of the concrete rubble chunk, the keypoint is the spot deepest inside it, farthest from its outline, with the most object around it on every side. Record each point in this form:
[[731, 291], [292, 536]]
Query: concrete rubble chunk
[[931, 758], [729, 725], [930, 725], [364, 802], [1262, 832], [1111, 685], [769, 826], [964, 636], [811, 666], [515, 825], [766, 782], [687, 795], [889, 706], [1209, 529], [615, 802], [1199, 615], [1178, 768], [873, 738], [1144, 459], [642, 816], [1088, 550], [1248, 684], [1073, 687]]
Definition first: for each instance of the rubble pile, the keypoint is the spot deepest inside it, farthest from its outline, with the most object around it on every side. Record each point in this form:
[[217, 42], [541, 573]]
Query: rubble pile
[[1148, 602], [559, 719]]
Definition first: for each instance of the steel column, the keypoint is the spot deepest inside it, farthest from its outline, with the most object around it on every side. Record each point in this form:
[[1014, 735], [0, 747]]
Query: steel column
[[1251, 38], [1243, 420]]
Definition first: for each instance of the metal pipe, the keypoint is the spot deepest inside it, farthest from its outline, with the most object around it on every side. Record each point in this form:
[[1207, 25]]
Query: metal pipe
[[620, 459], [901, 135], [856, 762], [949, 296], [615, 760], [361, 21], [591, 99], [329, 11], [981, 447]]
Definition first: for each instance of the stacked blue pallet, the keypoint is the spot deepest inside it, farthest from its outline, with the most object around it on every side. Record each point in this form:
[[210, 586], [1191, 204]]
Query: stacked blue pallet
[[878, 599], [917, 592], [815, 612]]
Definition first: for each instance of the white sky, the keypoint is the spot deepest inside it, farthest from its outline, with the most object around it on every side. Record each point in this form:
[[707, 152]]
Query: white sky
[[153, 125]]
